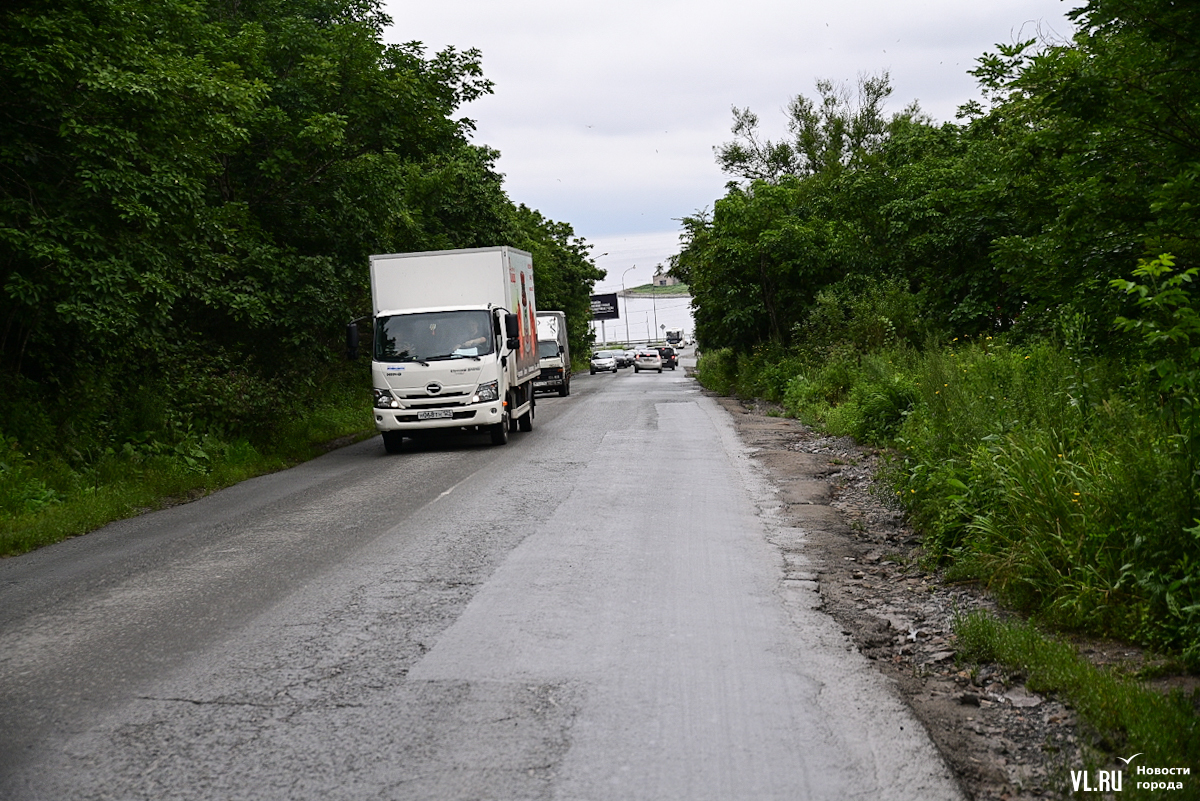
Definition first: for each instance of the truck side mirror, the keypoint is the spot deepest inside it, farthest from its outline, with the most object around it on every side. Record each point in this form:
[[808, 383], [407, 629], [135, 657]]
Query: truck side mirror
[[352, 341], [512, 324]]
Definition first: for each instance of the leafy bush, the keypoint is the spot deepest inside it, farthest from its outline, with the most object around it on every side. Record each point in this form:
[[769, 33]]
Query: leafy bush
[[1071, 504], [871, 313], [718, 370], [820, 385], [772, 370], [880, 400], [21, 490]]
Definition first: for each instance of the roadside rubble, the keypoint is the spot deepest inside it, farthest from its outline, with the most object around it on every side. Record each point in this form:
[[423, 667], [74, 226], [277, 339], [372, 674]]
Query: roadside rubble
[[1002, 740]]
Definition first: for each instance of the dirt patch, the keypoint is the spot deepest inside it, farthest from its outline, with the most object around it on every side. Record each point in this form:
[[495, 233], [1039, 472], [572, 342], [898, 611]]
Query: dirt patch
[[1002, 740]]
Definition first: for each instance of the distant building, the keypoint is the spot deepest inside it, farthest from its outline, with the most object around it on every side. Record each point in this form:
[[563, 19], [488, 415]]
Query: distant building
[[662, 279]]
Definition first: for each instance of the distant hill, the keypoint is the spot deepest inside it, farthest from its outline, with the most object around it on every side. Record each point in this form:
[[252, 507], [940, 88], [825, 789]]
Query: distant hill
[[648, 290]]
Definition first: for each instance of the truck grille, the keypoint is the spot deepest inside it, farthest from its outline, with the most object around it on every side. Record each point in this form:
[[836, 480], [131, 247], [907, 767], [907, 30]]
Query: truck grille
[[423, 395], [435, 404]]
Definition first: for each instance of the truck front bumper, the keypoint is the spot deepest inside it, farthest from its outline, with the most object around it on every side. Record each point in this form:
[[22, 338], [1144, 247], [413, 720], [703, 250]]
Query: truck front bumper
[[549, 377], [477, 414]]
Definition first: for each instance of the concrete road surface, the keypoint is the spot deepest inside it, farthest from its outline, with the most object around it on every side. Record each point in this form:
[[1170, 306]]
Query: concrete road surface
[[590, 612]]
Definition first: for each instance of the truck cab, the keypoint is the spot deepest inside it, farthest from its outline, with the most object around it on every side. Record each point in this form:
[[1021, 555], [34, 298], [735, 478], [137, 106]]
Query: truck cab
[[554, 354]]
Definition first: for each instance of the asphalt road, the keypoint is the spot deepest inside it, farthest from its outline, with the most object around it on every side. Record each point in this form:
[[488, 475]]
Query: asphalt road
[[592, 611]]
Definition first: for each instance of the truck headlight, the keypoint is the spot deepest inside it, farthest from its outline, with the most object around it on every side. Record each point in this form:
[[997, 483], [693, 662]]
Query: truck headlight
[[384, 399], [486, 392]]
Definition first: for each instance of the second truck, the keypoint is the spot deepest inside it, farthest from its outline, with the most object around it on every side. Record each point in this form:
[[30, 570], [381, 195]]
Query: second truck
[[554, 354]]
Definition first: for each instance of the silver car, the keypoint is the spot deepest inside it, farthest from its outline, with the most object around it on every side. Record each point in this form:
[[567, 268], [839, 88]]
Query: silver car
[[604, 361], [647, 359]]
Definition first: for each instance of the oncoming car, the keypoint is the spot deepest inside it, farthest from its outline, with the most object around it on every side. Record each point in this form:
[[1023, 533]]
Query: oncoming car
[[647, 359], [604, 361]]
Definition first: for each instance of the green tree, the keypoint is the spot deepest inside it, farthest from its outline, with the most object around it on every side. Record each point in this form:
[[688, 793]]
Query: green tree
[[809, 214], [836, 131]]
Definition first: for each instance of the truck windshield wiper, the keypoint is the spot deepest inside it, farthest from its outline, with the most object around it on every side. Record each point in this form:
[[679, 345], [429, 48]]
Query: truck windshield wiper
[[446, 356]]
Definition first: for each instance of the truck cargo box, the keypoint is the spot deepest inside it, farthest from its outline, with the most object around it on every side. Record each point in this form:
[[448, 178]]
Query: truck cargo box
[[500, 277]]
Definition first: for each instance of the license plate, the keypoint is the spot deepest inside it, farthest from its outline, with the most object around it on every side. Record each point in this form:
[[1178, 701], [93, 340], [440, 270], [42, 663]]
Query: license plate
[[435, 414]]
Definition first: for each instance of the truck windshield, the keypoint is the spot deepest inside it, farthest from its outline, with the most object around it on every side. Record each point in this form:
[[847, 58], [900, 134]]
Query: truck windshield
[[430, 336], [547, 349]]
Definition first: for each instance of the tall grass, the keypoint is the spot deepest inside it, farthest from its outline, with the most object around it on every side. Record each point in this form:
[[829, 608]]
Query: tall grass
[[1058, 484]]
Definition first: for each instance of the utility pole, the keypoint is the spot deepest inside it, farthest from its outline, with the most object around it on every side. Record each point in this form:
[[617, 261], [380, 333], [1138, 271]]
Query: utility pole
[[603, 330], [654, 298], [626, 303]]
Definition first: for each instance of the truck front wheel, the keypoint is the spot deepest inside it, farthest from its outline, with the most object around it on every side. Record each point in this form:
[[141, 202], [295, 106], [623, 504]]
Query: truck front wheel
[[393, 441], [499, 431], [565, 389]]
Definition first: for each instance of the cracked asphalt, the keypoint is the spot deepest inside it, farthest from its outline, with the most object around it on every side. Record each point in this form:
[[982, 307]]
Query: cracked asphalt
[[607, 607]]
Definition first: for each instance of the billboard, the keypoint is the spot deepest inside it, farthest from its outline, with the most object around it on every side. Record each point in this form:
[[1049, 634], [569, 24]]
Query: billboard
[[604, 307]]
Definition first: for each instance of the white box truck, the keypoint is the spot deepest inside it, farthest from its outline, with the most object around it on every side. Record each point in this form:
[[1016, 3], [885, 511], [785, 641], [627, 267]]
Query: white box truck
[[454, 343], [554, 355]]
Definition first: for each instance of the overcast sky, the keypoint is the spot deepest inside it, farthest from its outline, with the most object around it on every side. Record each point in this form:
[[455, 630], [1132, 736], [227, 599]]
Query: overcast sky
[[606, 114]]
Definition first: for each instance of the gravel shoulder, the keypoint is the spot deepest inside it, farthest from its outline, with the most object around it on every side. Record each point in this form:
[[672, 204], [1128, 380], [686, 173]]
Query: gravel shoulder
[[1001, 740]]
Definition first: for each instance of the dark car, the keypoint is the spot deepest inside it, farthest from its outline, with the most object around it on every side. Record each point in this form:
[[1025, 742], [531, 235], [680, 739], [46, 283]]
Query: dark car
[[669, 359]]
